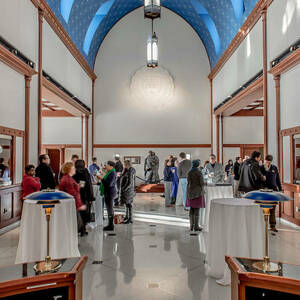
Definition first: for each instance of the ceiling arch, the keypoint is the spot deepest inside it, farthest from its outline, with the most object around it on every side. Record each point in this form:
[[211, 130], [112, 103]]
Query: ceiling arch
[[215, 21]]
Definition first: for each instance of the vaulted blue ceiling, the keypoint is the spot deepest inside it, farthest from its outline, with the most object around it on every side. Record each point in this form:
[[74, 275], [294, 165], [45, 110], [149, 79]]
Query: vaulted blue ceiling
[[88, 21]]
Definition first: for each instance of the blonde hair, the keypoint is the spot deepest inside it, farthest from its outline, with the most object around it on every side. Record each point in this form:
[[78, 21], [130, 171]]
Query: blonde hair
[[66, 168], [127, 164]]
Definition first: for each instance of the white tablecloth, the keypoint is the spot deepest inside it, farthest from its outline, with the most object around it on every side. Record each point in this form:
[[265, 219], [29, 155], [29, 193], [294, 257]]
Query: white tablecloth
[[33, 232], [236, 228], [98, 207], [214, 192]]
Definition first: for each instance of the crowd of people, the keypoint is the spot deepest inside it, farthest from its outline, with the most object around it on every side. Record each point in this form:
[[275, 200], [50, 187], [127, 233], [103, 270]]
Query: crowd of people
[[115, 181], [245, 175], [184, 182]]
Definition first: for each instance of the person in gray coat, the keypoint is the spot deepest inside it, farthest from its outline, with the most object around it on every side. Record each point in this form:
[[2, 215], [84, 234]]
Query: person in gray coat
[[215, 170], [127, 190], [195, 195]]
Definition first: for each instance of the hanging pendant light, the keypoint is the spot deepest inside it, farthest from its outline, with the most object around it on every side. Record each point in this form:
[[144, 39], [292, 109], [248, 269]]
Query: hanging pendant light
[[152, 9], [152, 51]]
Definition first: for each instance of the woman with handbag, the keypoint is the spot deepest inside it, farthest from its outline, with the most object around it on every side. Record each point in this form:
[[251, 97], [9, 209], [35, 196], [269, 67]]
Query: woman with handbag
[[195, 195], [127, 192], [83, 178]]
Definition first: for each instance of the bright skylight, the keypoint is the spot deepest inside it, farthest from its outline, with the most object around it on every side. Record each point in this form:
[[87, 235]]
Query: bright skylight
[[98, 17], [65, 9], [238, 7], [209, 23]]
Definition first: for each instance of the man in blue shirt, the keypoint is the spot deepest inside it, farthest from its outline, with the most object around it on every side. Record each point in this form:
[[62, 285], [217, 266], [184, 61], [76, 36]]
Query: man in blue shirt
[[272, 182], [94, 169]]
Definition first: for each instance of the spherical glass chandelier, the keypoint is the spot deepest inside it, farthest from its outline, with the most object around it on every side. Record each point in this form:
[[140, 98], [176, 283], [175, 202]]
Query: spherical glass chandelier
[[152, 87]]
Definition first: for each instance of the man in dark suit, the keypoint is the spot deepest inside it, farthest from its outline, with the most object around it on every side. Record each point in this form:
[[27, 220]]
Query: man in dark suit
[[272, 182], [45, 173]]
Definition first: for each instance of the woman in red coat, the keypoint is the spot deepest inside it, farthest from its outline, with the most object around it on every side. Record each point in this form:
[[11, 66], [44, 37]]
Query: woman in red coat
[[69, 185], [30, 184]]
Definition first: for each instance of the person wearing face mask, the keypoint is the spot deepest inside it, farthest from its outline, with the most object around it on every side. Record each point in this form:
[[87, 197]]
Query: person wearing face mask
[[215, 170], [272, 182], [251, 177]]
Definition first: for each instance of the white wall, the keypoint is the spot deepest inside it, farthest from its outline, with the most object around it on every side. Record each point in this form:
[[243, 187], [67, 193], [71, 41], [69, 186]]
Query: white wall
[[241, 66], [61, 130], [241, 130], [290, 102], [283, 26], [12, 98], [70, 151], [230, 153], [19, 26], [59, 63], [118, 118], [105, 154]]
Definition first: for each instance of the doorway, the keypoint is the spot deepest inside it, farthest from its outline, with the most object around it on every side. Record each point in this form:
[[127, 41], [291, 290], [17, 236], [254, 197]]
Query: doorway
[[54, 155]]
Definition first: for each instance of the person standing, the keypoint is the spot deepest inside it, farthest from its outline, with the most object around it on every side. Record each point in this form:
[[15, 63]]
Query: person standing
[[229, 167], [251, 177], [236, 171], [2, 166], [119, 169], [175, 180], [83, 178], [69, 185], [45, 173], [30, 184], [183, 169], [215, 170], [127, 192], [272, 182], [168, 179], [195, 195], [119, 166], [94, 169], [108, 191]]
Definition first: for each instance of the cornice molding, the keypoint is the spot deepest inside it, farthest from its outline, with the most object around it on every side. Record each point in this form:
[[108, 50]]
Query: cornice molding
[[286, 64], [290, 131], [248, 90], [53, 88], [152, 145], [12, 131], [15, 63], [63, 35], [252, 19]]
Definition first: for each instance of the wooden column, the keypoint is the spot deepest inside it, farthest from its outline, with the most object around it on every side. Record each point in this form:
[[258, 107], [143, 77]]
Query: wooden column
[[82, 136], [222, 139], [277, 87], [86, 140], [93, 116], [40, 77], [265, 78], [211, 115], [218, 136], [27, 119]]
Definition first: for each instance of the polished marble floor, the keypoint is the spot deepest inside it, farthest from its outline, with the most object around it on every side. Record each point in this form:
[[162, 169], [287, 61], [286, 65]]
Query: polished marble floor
[[155, 258]]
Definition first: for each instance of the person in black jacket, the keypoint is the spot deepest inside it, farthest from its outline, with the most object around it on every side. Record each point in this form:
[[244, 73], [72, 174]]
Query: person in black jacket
[[236, 171], [272, 182], [119, 169], [251, 177], [127, 193], [168, 180], [83, 178], [108, 191], [45, 173]]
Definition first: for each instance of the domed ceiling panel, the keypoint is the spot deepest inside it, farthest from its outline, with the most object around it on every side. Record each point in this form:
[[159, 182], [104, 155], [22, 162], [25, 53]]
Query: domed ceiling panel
[[215, 21]]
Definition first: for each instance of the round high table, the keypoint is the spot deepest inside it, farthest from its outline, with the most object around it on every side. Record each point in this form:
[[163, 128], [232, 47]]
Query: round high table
[[33, 232], [235, 229], [214, 192], [98, 207]]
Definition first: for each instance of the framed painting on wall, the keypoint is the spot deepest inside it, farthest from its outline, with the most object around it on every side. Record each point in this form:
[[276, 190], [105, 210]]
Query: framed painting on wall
[[135, 160]]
